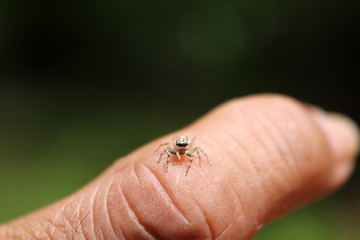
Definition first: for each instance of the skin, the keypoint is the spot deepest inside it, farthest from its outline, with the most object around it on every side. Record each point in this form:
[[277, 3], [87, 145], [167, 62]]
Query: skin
[[269, 155]]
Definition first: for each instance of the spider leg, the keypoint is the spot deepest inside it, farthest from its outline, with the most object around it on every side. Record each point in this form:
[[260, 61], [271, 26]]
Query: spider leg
[[197, 149], [191, 142], [190, 162], [207, 159], [163, 152], [167, 161], [170, 150], [161, 145]]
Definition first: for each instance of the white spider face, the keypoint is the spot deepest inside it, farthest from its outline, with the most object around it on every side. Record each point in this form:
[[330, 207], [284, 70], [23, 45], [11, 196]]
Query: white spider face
[[182, 142]]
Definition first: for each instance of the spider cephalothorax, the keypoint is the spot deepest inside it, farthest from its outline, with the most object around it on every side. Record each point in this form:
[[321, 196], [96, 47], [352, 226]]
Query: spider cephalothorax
[[182, 144], [180, 147]]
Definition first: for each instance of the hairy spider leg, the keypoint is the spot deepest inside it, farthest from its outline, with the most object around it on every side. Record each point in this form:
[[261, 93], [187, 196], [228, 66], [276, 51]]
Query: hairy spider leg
[[191, 142], [189, 164], [197, 149], [163, 152], [167, 161], [161, 145], [169, 150]]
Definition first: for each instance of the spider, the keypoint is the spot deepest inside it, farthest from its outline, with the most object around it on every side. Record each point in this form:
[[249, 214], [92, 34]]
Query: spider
[[181, 146]]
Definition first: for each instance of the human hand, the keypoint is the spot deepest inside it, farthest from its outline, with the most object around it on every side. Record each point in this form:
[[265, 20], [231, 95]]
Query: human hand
[[269, 154]]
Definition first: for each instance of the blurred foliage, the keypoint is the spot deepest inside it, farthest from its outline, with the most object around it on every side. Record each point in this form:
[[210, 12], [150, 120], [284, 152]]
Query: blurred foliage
[[85, 82]]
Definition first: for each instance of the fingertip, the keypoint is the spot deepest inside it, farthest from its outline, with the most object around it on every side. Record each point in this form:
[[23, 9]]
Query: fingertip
[[349, 131], [342, 134], [343, 137]]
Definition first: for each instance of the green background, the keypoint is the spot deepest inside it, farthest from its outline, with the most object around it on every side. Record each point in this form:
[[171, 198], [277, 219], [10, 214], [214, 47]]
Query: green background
[[85, 82]]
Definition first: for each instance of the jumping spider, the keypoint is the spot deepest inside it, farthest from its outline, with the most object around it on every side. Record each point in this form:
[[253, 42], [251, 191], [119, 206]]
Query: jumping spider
[[181, 146]]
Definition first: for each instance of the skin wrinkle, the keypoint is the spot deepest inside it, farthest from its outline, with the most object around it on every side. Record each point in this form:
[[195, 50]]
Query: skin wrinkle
[[172, 201], [239, 205], [78, 208], [135, 175], [32, 231], [74, 213], [57, 216], [259, 171], [243, 218], [240, 167], [101, 234], [133, 215], [81, 225], [95, 196], [23, 233], [238, 142], [48, 230], [258, 139], [177, 182], [229, 153], [223, 232], [69, 219], [61, 227], [278, 150], [287, 143], [48, 221], [268, 152], [63, 219], [203, 176], [102, 204], [246, 213], [92, 212], [255, 165], [55, 223], [287, 160], [274, 163], [107, 210], [46, 226], [302, 178], [238, 199], [210, 228], [133, 209]]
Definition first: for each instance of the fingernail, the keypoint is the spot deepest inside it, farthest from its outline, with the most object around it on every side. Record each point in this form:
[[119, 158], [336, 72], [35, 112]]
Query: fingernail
[[342, 133]]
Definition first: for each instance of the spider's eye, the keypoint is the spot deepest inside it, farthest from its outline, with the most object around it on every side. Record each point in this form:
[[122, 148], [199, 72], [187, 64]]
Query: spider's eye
[[181, 144]]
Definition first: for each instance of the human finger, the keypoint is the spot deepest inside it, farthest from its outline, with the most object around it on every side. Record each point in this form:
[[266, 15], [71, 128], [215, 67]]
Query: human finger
[[269, 154]]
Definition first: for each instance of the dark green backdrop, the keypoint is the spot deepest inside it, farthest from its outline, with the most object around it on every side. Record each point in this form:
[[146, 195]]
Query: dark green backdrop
[[85, 82]]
